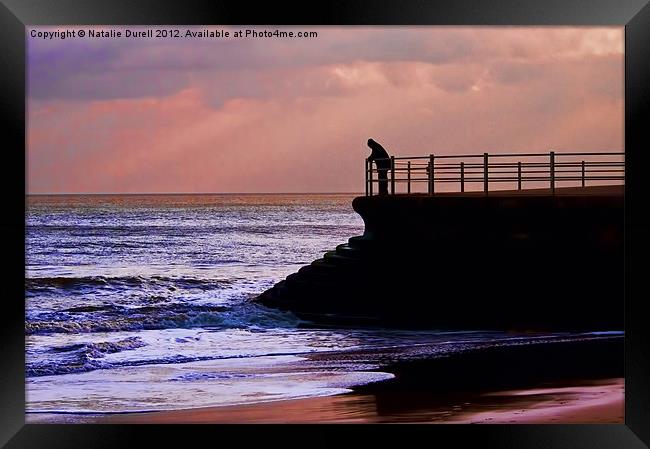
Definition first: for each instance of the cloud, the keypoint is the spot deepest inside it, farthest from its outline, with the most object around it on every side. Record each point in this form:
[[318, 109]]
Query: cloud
[[294, 116], [123, 68]]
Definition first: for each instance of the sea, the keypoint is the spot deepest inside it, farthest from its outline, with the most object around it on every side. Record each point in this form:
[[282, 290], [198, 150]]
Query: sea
[[137, 303]]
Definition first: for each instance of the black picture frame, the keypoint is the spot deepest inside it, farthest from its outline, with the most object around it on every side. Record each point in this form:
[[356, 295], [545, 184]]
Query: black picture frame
[[15, 15]]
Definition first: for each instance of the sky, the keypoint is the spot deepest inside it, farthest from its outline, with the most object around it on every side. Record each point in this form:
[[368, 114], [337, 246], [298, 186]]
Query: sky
[[202, 115]]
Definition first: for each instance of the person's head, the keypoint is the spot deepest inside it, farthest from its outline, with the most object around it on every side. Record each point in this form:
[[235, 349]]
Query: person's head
[[370, 142]]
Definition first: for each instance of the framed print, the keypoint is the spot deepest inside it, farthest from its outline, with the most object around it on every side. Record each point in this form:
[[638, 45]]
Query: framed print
[[352, 214]]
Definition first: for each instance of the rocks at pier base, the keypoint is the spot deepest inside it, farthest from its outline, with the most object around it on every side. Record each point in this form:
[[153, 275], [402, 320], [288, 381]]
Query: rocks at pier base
[[471, 261]]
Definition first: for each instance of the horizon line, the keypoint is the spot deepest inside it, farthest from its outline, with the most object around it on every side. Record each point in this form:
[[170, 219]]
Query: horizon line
[[191, 193]]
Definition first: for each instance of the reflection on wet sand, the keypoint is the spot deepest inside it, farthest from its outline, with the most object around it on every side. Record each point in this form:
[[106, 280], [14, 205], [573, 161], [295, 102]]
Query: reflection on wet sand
[[594, 401]]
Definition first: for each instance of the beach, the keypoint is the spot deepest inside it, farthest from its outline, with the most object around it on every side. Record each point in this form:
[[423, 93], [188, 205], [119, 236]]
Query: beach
[[590, 401], [128, 325], [558, 382], [447, 390]]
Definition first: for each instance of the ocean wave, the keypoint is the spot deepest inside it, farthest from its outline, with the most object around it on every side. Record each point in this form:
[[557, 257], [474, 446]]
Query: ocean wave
[[90, 357], [192, 377], [62, 282], [112, 318], [131, 281], [82, 357]]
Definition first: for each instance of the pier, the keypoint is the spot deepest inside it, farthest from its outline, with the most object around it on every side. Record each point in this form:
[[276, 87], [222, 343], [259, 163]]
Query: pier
[[522, 241], [502, 171]]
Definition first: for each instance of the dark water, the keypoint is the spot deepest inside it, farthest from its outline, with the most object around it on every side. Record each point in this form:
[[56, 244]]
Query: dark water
[[143, 303]]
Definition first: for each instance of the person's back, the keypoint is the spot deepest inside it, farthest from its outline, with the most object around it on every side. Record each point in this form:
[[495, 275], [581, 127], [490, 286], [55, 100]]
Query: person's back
[[381, 158]]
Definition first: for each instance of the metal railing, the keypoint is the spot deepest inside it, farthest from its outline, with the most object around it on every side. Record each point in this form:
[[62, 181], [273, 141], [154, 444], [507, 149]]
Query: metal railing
[[535, 170]]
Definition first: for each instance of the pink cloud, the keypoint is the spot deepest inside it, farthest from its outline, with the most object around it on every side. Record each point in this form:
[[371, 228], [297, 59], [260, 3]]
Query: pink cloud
[[293, 127]]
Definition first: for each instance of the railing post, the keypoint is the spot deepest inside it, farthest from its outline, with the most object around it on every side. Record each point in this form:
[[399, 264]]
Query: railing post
[[432, 180], [392, 175], [519, 175], [366, 176], [552, 169], [370, 177], [485, 173], [462, 177], [408, 174], [583, 173]]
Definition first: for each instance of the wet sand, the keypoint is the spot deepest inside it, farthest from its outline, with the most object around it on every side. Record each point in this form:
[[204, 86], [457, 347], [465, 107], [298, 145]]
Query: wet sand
[[600, 401], [594, 402], [551, 382]]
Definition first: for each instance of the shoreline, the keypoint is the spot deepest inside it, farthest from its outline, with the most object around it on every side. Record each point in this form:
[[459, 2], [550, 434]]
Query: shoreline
[[588, 401], [550, 382]]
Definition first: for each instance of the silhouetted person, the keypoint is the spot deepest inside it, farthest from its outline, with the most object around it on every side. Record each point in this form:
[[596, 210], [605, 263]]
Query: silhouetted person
[[382, 160]]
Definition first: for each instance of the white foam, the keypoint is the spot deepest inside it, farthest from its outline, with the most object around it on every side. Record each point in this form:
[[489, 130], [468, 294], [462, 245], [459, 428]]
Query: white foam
[[208, 384]]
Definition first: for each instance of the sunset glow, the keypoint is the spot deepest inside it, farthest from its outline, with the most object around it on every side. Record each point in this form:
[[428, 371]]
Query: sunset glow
[[293, 115]]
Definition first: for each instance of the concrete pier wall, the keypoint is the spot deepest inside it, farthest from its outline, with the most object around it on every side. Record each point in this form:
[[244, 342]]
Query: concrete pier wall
[[526, 260]]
